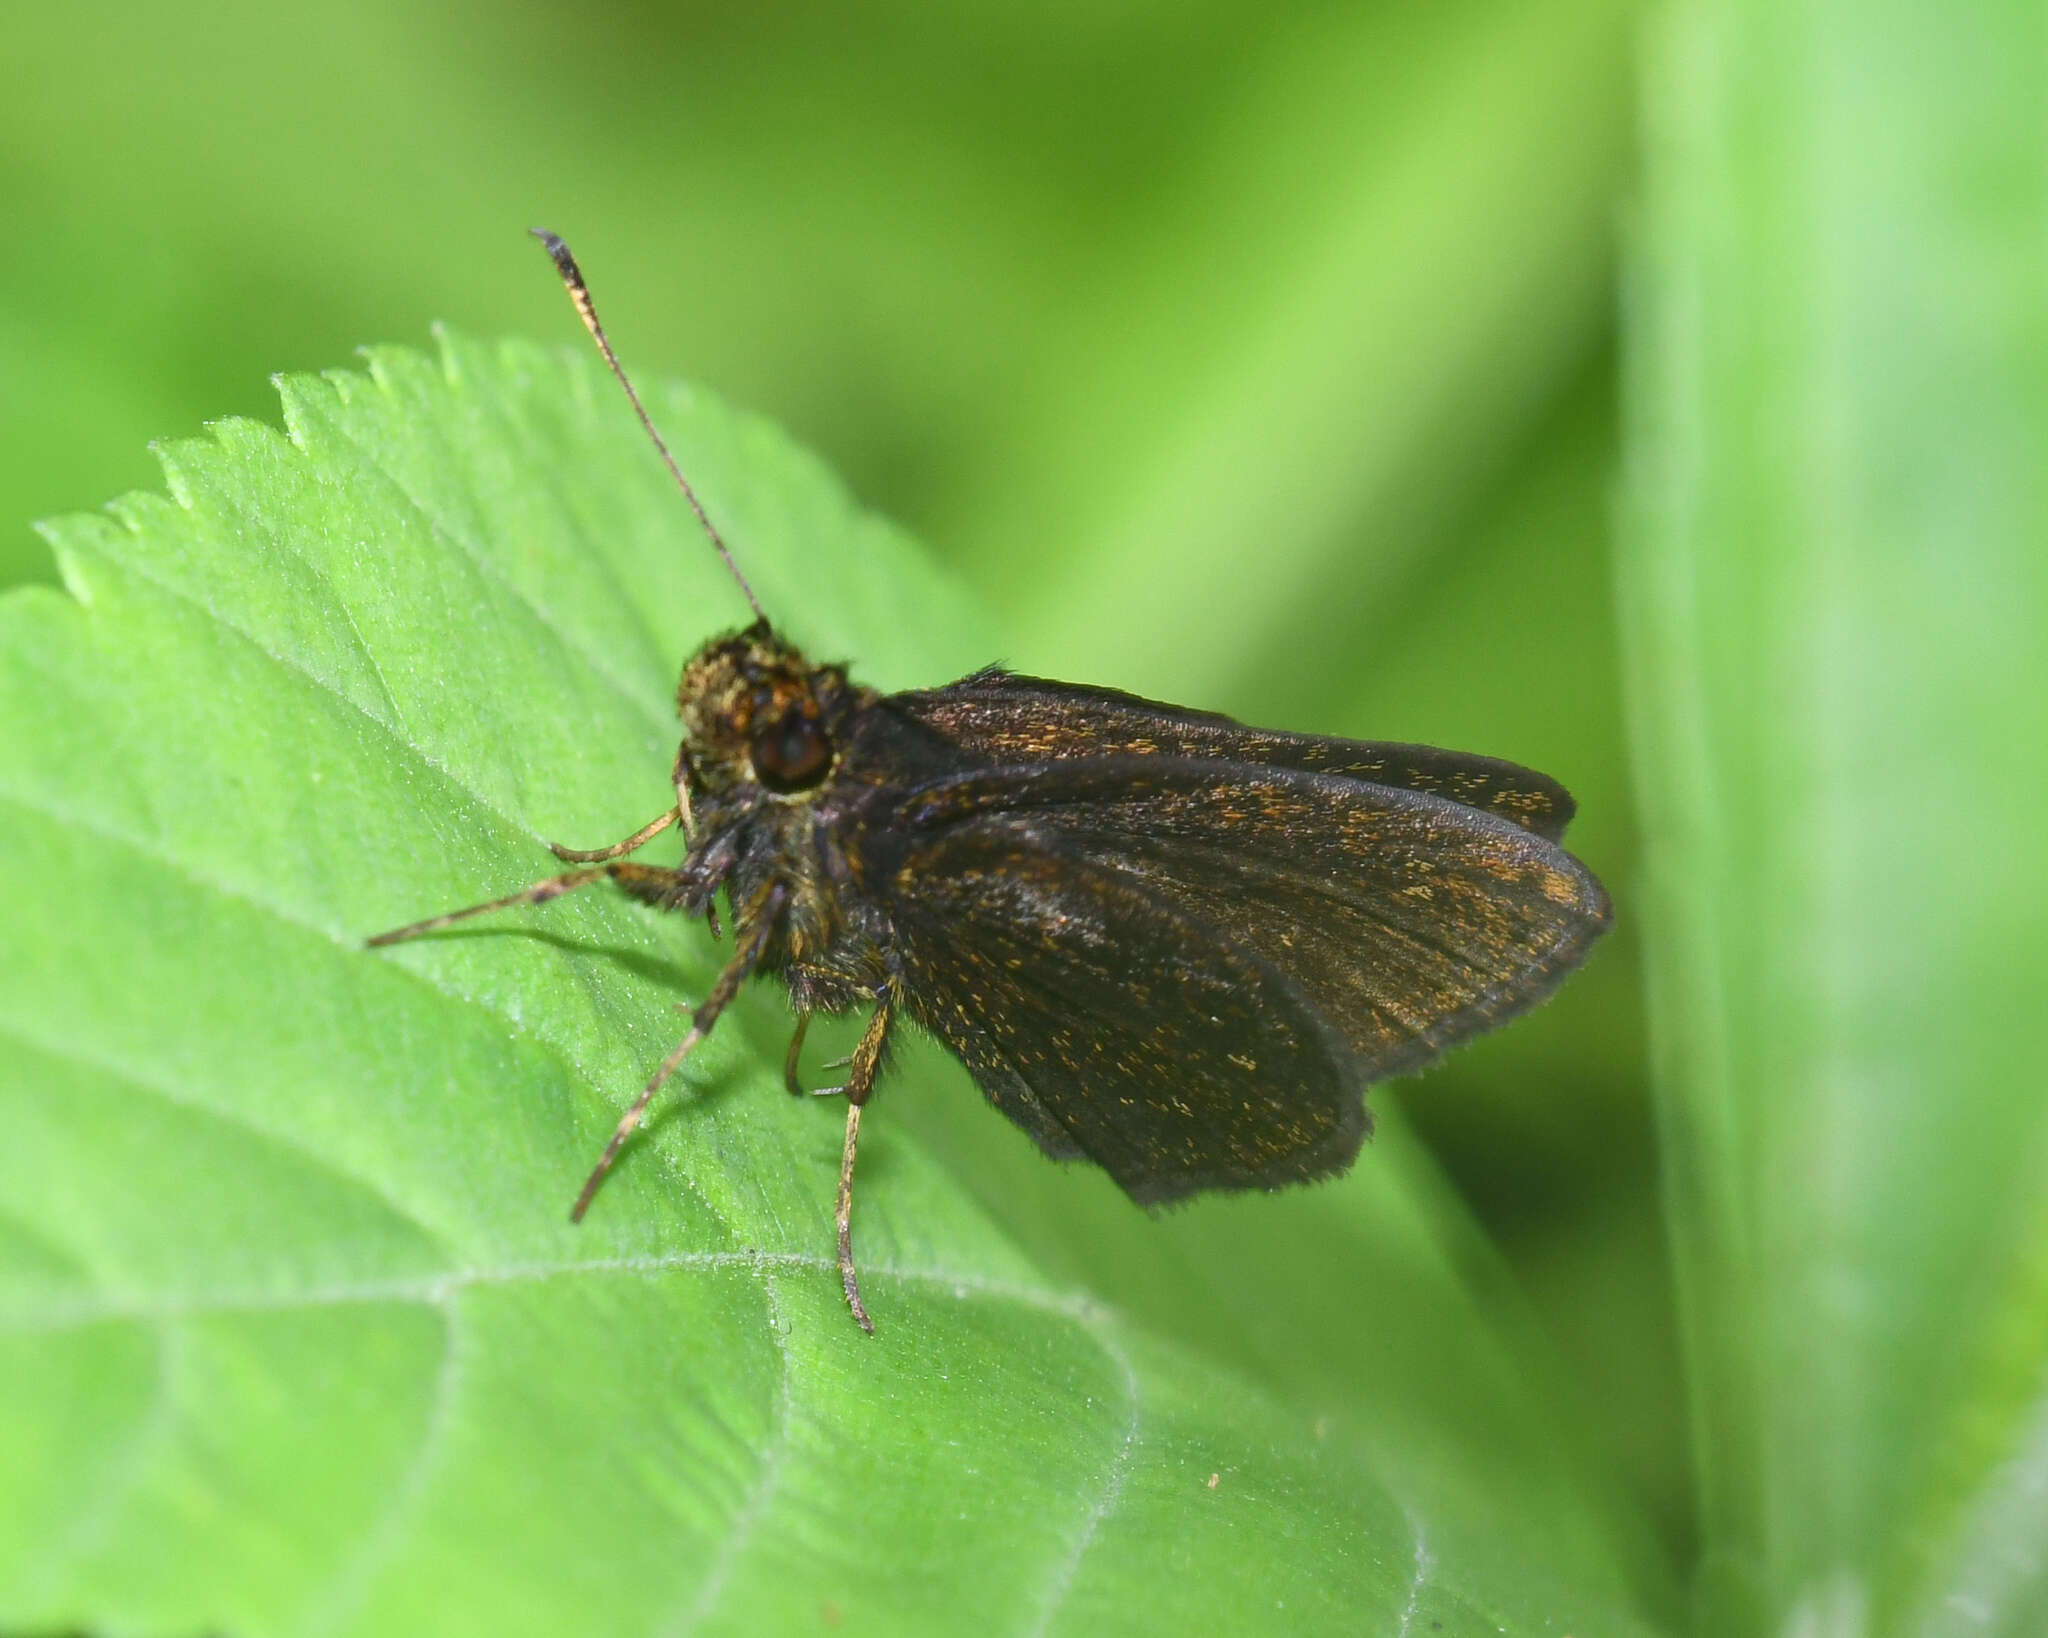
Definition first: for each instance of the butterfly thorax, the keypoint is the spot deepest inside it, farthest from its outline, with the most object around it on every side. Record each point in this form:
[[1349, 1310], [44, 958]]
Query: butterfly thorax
[[765, 734]]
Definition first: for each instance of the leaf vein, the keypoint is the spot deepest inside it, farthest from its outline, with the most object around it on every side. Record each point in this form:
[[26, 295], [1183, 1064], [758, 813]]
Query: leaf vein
[[405, 746], [332, 1606], [283, 540], [459, 539], [748, 1518], [519, 1028], [128, 1075], [89, 1532], [1068, 1571], [436, 1287], [545, 466], [1425, 1561]]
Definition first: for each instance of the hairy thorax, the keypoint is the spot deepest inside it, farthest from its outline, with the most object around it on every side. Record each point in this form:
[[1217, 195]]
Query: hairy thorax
[[762, 774]]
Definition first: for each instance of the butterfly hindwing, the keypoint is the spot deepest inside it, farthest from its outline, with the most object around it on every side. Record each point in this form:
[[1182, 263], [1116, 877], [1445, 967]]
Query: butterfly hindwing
[[1110, 1023]]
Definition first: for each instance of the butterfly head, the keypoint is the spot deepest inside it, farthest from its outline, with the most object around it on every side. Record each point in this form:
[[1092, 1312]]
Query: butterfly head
[[756, 712]]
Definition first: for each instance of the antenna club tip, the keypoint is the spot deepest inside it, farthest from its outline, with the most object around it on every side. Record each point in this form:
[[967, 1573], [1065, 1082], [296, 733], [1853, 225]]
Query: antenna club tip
[[557, 249]]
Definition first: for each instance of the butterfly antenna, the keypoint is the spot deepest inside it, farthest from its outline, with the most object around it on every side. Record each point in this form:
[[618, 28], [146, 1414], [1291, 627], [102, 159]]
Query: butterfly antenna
[[579, 293]]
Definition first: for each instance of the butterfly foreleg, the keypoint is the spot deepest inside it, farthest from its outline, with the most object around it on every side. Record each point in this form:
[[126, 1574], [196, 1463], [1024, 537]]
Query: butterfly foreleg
[[648, 882], [639, 839], [756, 929]]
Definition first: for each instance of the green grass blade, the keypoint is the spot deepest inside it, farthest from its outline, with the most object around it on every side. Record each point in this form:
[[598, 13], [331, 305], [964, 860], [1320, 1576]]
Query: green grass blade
[[1836, 585]]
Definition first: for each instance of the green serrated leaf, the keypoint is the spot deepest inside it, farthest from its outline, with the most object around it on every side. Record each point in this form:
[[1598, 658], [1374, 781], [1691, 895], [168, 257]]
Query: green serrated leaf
[[296, 1336]]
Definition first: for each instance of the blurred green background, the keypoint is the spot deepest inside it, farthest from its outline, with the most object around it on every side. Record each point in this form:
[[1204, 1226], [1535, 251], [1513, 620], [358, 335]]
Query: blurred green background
[[1259, 357]]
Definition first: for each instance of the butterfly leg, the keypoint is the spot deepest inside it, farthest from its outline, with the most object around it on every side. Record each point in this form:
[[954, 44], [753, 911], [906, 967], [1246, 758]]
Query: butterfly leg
[[789, 1058], [640, 838], [867, 1059], [760, 924], [636, 879], [791, 1069]]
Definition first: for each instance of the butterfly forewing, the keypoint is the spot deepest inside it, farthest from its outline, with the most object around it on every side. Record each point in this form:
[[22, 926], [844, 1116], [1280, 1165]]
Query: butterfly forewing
[[1009, 719]]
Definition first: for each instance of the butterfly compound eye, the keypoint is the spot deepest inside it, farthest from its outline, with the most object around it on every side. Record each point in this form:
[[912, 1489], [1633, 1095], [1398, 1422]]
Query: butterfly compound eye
[[791, 754]]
